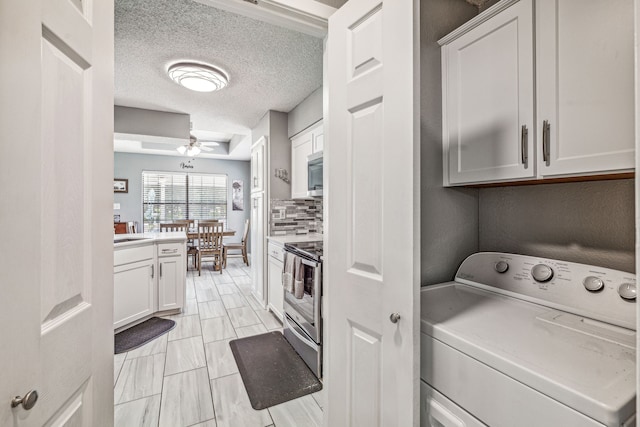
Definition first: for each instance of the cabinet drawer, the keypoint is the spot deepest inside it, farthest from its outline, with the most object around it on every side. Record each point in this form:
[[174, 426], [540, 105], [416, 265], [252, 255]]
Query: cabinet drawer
[[276, 251], [170, 249], [135, 254]]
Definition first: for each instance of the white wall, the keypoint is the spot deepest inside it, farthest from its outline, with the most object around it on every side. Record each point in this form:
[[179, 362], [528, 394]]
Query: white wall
[[130, 166]]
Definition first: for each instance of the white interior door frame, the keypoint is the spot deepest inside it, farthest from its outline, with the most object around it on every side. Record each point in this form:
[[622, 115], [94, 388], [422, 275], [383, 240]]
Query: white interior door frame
[[637, 178], [305, 16]]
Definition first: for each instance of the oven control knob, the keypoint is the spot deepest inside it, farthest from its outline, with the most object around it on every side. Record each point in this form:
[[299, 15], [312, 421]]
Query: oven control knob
[[593, 283], [542, 273], [501, 267], [627, 291]]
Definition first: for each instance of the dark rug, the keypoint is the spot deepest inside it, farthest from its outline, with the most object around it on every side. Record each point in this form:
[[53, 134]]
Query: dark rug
[[142, 333], [271, 370]]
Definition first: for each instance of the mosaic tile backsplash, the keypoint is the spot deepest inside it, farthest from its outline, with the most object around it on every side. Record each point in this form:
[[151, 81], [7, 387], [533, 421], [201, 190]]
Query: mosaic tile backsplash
[[289, 217]]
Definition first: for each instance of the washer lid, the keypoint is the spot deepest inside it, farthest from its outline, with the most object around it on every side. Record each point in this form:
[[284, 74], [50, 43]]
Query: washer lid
[[585, 364]]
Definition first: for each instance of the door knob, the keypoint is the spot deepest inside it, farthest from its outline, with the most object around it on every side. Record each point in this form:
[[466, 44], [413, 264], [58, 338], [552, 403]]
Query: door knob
[[28, 401], [394, 317]]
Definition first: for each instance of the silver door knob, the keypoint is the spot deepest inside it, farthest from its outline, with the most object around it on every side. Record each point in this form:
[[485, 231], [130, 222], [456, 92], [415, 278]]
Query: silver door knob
[[28, 401], [394, 317]]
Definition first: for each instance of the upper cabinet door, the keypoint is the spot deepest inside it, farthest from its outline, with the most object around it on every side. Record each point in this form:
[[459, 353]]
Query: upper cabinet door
[[585, 66], [301, 148], [488, 90], [258, 165], [318, 138]]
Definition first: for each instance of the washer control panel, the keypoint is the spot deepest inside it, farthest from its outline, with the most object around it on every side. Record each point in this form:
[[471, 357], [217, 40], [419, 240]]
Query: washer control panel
[[595, 292]]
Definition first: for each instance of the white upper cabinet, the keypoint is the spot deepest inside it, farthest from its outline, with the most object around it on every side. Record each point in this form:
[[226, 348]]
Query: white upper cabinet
[[584, 122], [258, 165], [307, 142], [488, 99], [585, 90]]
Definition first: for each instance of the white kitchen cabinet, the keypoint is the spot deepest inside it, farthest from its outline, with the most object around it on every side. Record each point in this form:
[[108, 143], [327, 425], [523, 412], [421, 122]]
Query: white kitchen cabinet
[[309, 141], [488, 91], [585, 81], [258, 248], [584, 122], [276, 292], [258, 166], [171, 276], [134, 285]]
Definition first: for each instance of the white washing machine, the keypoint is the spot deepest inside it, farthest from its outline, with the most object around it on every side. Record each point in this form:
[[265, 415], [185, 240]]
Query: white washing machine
[[520, 341]]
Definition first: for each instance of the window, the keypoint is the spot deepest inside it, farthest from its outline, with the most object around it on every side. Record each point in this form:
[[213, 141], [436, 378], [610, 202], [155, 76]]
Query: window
[[170, 196]]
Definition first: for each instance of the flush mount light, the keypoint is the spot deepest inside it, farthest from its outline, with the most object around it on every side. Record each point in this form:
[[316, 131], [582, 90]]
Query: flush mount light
[[198, 77]]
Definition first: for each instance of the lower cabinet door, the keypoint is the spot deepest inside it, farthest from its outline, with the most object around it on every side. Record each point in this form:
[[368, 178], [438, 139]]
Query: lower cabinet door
[[276, 296], [171, 278], [133, 289]]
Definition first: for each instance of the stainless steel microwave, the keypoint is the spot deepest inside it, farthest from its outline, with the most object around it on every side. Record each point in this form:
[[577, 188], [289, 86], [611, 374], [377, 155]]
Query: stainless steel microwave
[[314, 175]]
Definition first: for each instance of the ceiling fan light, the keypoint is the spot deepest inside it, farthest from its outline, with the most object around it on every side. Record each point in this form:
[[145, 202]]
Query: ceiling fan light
[[182, 149], [195, 150], [198, 77]]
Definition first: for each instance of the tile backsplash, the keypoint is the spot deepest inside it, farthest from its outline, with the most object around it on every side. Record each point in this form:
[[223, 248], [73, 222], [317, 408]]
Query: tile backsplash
[[290, 217]]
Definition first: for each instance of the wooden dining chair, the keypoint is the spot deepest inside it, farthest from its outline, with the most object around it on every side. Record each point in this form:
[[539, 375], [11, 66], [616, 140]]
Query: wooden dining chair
[[181, 226], [210, 243], [242, 247]]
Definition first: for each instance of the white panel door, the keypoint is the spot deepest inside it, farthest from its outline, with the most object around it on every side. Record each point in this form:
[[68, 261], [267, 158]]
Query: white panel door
[[372, 256], [56, 168], [585, 75], [301, 148], [488, 100]]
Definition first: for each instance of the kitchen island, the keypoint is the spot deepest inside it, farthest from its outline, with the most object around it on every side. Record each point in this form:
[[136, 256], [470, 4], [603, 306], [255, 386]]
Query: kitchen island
[[149, 276]]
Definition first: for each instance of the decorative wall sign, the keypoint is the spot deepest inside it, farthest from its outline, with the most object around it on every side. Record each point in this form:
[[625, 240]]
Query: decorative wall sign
[[237, 198], [187, 165], [120, 185]]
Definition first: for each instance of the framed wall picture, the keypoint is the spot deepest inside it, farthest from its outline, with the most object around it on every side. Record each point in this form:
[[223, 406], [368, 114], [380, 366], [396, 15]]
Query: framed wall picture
[[120, 185], [237, 193]]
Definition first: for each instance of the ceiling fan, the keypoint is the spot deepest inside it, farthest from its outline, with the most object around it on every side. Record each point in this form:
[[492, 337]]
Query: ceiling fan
[[194, 147]]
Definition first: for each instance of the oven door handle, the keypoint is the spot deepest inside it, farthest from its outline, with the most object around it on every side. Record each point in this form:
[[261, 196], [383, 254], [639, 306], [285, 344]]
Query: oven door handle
[[301, 335], [304, 260]]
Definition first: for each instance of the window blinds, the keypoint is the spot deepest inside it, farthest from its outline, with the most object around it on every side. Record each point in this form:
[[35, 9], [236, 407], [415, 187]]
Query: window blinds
[[170, 196]]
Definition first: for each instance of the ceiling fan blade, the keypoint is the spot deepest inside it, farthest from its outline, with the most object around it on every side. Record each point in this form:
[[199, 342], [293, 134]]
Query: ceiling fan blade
[[205, 148]]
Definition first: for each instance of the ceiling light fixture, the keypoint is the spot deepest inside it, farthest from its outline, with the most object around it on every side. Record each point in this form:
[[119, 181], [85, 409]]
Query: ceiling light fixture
[[198, 77]]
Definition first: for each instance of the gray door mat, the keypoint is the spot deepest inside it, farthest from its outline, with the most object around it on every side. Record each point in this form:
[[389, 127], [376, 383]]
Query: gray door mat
[[142, 333], [271, 370]]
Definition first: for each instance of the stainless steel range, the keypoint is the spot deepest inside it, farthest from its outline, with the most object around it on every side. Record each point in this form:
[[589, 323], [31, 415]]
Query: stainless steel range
[[303, 319]]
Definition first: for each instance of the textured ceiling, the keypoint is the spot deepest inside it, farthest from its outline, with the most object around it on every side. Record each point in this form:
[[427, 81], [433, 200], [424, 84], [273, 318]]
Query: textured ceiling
[[270, 67]]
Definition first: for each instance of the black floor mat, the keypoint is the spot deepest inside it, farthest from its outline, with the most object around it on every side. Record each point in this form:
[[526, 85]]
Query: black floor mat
[[271, 370], [142, 333]]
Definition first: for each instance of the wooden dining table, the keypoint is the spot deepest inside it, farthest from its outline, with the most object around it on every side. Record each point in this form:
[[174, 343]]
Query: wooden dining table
[[193, 233]]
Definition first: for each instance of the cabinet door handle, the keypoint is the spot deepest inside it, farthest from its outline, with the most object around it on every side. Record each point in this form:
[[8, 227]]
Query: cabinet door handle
[[169, 251], [524, 142], [160, 270], [153, 271], [255, 181], [546, 130]]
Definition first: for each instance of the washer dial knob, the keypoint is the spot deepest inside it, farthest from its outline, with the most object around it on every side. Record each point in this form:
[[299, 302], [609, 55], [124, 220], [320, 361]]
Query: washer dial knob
[[627, 291], [593, 283], [542, 273], [501, 267]]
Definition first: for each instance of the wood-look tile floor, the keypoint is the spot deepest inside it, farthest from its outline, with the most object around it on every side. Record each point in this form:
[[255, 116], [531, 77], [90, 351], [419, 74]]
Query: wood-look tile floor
[[189, 377]]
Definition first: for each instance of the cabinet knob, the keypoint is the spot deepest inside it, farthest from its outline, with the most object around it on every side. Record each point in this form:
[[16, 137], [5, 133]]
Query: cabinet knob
[[28, 401]]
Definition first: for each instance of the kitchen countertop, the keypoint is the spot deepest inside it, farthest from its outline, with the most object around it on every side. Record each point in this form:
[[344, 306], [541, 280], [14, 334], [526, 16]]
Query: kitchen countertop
[[296, 238], [138, 238]]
